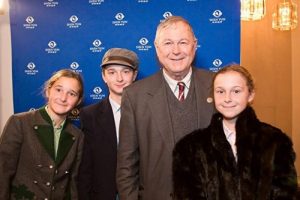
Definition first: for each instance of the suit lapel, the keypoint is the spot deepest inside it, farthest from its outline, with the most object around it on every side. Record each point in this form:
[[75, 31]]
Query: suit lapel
[[45, 136], [66, 141], [44, 132], [160, 111], [106, 119], [203, 97]]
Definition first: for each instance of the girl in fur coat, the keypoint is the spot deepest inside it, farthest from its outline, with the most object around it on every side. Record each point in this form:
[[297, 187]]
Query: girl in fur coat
[[236, 157]]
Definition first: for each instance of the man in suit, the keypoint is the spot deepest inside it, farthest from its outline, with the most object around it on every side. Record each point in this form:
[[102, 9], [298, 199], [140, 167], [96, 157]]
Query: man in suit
[[156, 113], [100, 124]]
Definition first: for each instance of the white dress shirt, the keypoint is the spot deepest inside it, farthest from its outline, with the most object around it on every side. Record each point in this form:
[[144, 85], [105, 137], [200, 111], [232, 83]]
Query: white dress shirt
[[173, 83], [231, 137], [116, 108]]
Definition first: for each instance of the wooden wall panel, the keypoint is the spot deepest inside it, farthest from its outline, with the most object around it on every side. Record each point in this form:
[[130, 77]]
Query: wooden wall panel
[[273, 57]]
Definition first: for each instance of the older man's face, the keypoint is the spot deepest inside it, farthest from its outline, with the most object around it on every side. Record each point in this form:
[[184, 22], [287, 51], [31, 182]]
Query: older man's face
[[175, 48]]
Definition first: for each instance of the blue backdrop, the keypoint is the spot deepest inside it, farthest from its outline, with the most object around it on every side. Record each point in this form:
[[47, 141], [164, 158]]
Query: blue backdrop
[[48, 35]]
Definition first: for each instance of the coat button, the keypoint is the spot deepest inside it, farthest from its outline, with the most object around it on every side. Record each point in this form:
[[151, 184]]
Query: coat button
[[35, 182], [51, 166], [66, 172], [48, 183], [39, 166], [53, 188], [36, 127]]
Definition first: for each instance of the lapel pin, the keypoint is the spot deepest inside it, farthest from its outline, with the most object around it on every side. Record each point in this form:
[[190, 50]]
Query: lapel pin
[[209, 100]]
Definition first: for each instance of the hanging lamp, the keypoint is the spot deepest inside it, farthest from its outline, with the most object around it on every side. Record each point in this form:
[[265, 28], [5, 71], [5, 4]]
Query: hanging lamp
[[252, 9], [285, 16]]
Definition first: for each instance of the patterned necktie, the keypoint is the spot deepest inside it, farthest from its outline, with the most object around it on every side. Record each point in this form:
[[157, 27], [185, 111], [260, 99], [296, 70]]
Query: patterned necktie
[[181, 91]]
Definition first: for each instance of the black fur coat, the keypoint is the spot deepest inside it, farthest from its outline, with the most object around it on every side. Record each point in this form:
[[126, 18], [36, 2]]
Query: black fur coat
[[204, 166]]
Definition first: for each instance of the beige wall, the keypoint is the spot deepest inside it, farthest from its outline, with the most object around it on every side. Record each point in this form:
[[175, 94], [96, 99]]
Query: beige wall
[[273, 57], [296, 92], [6, 101]]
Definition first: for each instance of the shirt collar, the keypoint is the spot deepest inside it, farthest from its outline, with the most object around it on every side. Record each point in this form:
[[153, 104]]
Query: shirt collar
[[173, 83], [115, 106], [227, 131], [53, 122]]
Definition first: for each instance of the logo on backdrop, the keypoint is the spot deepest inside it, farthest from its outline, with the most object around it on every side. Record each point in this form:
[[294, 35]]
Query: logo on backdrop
[[216, 65], [31, 69], [74, 66], [217, 17], [143, 1], [95, 2], [50, 3], [74, 115], [31, 109], [30, 23], [97, 46], [52, 47], [167, 14], [119, 20], [143, 44], [97, 93], [74, 22]]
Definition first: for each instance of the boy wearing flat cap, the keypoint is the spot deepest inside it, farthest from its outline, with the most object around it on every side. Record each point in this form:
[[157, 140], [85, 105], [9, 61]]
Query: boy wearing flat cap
[[100, 124]]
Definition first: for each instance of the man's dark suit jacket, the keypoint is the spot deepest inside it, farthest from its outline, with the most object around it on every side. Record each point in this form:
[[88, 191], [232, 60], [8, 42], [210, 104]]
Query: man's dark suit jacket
[[97, 179]]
